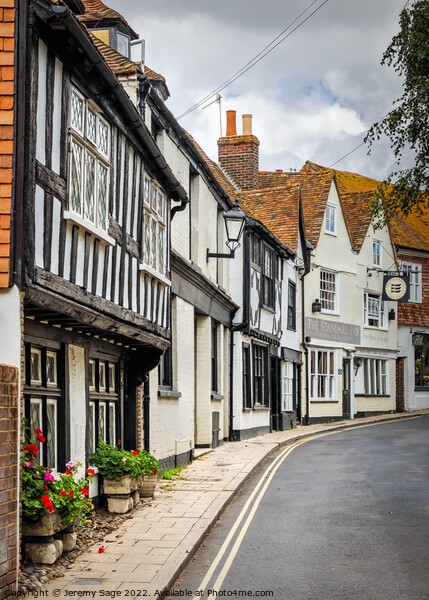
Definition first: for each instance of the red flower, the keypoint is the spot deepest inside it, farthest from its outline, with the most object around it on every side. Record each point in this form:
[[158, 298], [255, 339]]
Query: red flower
[[119, 441], [32, 449], [49, 506], [135, 452], [41, 439], [68, 472], [38, 430], [84, 491], [90, 472], [71, 494], [153, 471], [101, 549], [45, 498], [46, 488], [63, 492]]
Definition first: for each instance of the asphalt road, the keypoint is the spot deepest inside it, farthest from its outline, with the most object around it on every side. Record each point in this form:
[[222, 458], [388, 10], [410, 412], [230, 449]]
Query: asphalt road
[[345, 516]]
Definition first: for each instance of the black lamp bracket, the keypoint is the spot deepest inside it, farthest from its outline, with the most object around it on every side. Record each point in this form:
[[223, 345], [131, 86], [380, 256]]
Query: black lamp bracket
[[219, 255]]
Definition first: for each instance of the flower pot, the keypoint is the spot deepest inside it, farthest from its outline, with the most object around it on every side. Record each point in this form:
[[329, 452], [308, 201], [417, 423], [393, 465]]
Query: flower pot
[[124, 485], [146, 485], [50, 524]]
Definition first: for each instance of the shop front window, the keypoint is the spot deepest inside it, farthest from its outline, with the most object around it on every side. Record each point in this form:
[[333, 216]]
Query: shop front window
[[421, 359]]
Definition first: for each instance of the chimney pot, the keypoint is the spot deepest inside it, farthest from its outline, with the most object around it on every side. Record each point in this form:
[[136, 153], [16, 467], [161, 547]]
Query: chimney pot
[[279, 170], [247, 124], [231, 128]]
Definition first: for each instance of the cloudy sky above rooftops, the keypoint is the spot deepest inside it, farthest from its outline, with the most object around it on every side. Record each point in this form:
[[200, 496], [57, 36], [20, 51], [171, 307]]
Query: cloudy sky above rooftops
[[312, 98]]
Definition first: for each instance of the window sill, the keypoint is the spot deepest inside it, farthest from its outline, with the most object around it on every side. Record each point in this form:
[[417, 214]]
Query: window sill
[[375, 328], [334, 313], [372, 395], [421, 388], [268, 307], [324, 401], [216, 396], [163, 393], [146, 269], [260, 407], [88, 226], [333, 233]]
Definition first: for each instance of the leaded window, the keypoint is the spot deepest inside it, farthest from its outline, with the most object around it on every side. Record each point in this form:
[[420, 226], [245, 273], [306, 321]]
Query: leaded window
[[89, 161], [154, 227], [44, 401]]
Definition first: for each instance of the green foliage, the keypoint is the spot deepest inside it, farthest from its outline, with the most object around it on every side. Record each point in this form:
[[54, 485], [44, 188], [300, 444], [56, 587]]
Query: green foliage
[[114, 462], [42, 491], [406, 124], [172, 473]]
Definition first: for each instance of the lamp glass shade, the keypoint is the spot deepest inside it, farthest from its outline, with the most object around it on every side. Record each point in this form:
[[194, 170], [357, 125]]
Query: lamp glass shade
[[234, 224]]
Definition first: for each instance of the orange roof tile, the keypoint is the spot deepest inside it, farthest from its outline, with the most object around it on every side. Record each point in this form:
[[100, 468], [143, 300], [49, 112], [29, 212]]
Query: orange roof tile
[[277, 208], [95, 10]]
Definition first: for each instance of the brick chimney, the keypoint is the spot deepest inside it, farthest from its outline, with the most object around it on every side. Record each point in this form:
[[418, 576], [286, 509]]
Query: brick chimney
[[239, 154]]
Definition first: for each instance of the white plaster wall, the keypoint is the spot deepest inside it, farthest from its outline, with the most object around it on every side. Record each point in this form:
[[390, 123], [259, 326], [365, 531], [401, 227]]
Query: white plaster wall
[[78, 405], [236, 283], [203, 406], [10, 327], [130, 85], [172, 419]]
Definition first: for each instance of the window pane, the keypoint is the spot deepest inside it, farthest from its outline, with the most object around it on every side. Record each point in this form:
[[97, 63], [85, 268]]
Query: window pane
[[102, 421], [92, 374], [36, 423], [102, 377], [51, 368], [51, 436], [112, 378], [76, 177], [91, 427], [36, 366], [112, 423], [154, 227], [91, 126], [147, 238], [77, 112], [102, 197], [103, 137], [89, 212]]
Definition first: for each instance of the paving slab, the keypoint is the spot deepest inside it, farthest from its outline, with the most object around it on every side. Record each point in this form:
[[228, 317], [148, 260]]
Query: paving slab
[[148, 551]]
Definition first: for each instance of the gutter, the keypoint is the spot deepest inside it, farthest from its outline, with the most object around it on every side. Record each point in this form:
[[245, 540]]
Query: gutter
[[67, 19]]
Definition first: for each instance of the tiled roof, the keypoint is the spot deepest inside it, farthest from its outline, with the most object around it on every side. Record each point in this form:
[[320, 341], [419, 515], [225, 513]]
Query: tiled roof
[[410, 231], [314, 195], [277, 208], [357, 215], [96, 12]]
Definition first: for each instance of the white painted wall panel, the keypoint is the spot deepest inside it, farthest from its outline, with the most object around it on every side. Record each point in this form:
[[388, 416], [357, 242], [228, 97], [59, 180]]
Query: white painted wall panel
[[41, 103], [56, 222], [39, 233], [80, 262], [100, 270], [56, 121]]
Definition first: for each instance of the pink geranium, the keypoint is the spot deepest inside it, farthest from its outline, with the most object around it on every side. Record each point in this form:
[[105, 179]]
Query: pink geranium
[[71, 465], [49, 477]]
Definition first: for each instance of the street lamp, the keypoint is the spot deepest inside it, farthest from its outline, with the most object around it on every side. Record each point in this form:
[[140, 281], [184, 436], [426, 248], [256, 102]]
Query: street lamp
[[234, 225]]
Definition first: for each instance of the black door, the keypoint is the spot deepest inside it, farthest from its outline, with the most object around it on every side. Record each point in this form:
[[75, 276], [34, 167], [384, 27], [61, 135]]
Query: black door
[[346, 388]]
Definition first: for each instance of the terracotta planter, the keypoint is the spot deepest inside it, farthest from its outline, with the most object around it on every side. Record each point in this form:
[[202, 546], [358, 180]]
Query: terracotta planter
[[146, 485], [48, 525], [124, 485]]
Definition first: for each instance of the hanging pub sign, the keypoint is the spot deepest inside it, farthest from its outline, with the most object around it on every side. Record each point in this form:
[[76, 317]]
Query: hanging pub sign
[[396, 288], [418, 339]]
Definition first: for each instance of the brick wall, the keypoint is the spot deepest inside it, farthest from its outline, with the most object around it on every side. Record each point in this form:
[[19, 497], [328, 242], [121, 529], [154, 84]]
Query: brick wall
[[239, 158], [410, 313], [400, 384], [8, 476], [7, 59]]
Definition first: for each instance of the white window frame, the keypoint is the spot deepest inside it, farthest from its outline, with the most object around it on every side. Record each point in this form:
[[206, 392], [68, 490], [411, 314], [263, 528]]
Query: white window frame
[[330, 220], [323, 377], [381, 315], [414, 270], [91, 149], [54, 403], [154, 227], [375, 377], [325, 292], [287, 377], [377, 254]]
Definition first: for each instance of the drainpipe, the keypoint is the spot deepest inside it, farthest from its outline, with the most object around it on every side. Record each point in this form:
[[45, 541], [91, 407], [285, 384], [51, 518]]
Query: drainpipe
[[304, 345]]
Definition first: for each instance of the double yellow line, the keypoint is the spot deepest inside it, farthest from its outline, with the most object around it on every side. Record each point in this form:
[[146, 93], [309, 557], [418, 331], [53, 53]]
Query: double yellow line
[[267, 478]]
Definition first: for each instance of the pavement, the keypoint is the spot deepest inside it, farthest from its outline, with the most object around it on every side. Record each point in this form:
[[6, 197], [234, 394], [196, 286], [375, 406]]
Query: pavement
[[145, 555]]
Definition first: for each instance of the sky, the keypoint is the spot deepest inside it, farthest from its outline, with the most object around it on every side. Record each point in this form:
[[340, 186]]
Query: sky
[[312, 98]]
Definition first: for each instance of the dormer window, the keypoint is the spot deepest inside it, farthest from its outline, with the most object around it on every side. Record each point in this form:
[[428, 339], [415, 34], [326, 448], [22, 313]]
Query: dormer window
[[331, 219]]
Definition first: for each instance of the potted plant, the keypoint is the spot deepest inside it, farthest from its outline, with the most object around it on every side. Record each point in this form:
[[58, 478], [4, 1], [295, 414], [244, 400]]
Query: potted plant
[[148, 470], [50, 502]]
